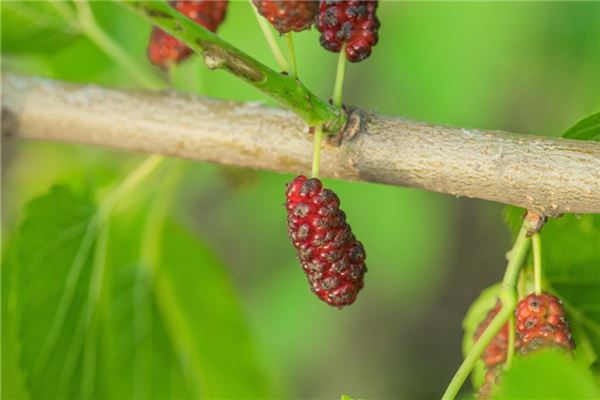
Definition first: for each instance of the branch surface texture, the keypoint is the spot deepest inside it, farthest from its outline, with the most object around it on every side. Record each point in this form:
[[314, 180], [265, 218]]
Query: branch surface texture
[[547, 175]]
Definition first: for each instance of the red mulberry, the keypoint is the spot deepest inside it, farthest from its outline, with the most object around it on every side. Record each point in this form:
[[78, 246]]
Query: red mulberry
[[541, 322], [165, 49], [331, 257], [348, 21], [288, 15], [495, 353]]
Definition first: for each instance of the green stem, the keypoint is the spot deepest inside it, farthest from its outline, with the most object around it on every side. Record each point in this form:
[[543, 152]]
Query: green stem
[[537, 262], [292, 53], [339, 78], [508, 297], [317, 151], [268, 33], [518, 255], [511, 341], [522, 285], [217, 53], [96, 34]]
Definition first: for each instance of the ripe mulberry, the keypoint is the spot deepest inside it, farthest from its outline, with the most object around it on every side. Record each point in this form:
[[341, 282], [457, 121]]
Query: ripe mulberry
[[165, 49], [332, 258], [288, 15], [348, 21], [541, 322]]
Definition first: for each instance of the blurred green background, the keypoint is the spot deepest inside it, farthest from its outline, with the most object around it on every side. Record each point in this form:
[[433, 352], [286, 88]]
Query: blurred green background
[[531, 68]]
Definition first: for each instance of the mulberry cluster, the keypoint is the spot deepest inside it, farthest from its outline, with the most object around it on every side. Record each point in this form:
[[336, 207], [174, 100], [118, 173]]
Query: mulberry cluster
[[165, 49], [348, 21], [541, 322], [332, 258], [288, 15]]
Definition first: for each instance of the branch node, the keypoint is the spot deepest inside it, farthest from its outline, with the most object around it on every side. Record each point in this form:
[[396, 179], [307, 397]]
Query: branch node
[[356, 122], [534, 222]]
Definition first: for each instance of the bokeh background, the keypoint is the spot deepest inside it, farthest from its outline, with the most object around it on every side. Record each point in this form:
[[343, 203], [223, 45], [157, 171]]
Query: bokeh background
[[531, 67]]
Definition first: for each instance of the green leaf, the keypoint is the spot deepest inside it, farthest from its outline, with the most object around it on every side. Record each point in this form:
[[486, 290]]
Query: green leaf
[[571, 260], [547, 375], [586, 129], [12, 377], [202, 316], [51, 266], [475, 315], [99, 317]]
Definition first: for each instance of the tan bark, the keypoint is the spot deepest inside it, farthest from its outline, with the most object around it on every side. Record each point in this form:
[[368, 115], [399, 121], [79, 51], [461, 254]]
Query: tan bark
[[547, 175]]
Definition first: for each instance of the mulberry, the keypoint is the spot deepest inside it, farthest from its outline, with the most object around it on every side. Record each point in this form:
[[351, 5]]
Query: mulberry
[[348, 21], [541, 322], [331, 257], [288, 15], [165, 49]]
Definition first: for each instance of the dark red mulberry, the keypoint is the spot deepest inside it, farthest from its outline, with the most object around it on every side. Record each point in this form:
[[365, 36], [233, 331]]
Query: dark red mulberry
[[331, 257], [165, 49], [288, 15], [541, 322], [348, 21]]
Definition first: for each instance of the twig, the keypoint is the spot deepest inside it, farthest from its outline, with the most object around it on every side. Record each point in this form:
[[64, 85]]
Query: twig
[[217, 53]]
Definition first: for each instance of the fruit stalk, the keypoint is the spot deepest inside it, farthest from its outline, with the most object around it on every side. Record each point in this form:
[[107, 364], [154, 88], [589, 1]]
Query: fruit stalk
[[270, 38], [218, 54], [339, 79], [537, 262], [510, 351], [292, 52], [317, 151]]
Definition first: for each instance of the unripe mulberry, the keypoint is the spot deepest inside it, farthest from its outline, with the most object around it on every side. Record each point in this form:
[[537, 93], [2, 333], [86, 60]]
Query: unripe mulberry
[[165, 49], [332, 258], [541, 322], [495, 353], [288, 15], [348, 21], [491, 379]]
